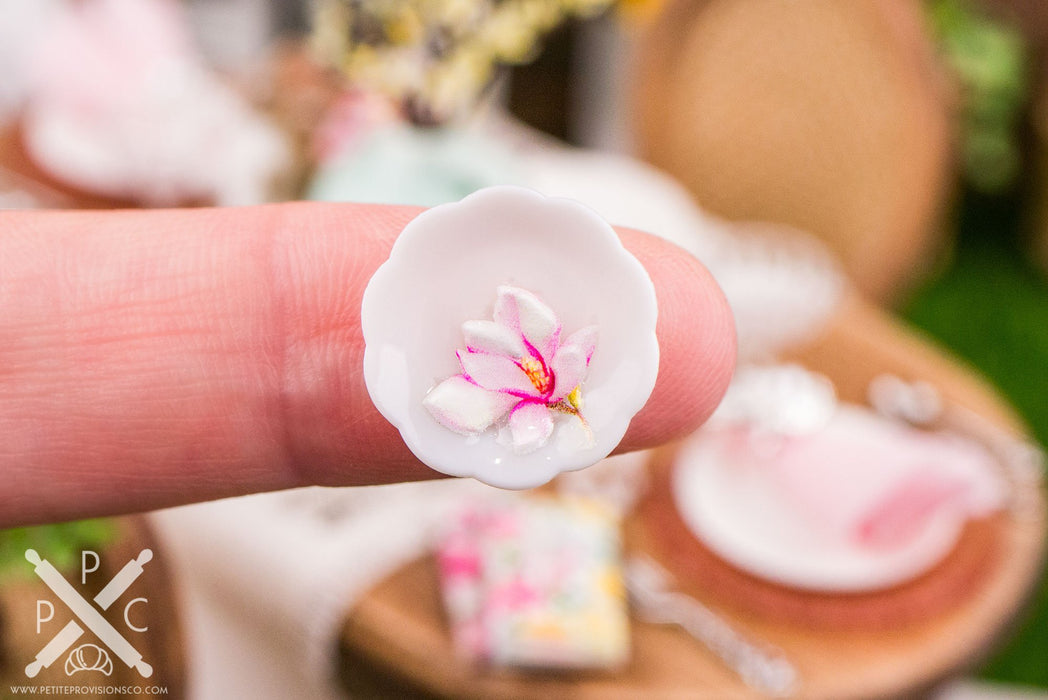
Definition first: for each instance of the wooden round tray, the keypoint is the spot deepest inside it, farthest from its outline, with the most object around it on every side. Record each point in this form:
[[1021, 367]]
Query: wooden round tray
[[396, 638]]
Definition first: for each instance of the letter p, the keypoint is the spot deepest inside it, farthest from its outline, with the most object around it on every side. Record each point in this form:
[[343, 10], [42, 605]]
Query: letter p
[[84, 571], [40, 619]]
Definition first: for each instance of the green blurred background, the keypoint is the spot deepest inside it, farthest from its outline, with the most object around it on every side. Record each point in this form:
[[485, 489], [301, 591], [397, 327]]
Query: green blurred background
[[989, 305]]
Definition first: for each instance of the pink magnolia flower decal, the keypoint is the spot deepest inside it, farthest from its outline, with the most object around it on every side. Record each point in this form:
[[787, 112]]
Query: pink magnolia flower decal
[[518, 374]]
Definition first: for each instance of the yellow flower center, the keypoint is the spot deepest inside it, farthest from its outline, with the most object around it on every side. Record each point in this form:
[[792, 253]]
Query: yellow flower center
[[538, 375]]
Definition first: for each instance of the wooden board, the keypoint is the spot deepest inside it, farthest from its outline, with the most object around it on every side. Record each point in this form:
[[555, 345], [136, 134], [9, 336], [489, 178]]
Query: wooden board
[[396, 639]]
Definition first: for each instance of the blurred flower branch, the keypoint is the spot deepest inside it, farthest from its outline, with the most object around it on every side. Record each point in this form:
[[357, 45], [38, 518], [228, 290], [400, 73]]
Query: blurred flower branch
[[436, 57]]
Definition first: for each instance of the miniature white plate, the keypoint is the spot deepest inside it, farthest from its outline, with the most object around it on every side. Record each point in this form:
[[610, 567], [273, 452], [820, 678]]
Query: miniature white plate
[[448, 267], [738, 513]]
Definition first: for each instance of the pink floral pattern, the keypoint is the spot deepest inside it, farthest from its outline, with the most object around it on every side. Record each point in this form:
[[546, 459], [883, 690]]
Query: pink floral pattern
[[518, 374], [535, 583]]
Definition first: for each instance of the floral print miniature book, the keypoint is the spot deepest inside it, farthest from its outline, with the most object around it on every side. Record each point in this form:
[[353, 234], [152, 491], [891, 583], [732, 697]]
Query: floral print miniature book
[[535, 582]]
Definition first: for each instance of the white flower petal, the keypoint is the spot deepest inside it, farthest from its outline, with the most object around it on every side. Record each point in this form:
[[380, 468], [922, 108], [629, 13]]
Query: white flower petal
[[466, 408], [520, 310], [585, 339], [495, 338], [531, 425], [569, 369], [496, 373]]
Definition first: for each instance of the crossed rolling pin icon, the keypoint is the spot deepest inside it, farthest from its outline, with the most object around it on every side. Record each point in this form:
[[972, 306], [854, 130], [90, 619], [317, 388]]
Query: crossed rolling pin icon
[[88, 615]]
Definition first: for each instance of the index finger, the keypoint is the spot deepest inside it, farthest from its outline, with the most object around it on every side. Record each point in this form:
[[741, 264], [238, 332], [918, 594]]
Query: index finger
[[152, 358]]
